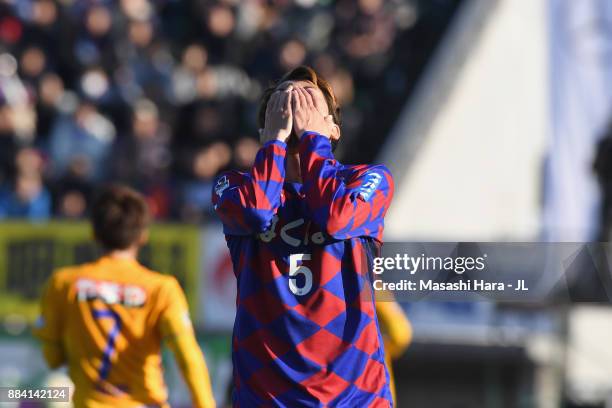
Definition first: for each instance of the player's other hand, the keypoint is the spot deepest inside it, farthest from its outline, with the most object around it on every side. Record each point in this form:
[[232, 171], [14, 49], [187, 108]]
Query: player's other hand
[[307, 116], [279, 117]]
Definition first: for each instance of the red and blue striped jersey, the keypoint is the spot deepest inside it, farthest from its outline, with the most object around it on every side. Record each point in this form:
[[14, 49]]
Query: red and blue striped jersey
[[306, 332]]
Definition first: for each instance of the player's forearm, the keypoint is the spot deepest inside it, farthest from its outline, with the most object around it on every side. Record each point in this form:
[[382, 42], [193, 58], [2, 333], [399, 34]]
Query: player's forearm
[[398, 339], [395, 326], [269, 166], [193, 367], [333, 192], [249, 203], [323, 188], [53, 354]]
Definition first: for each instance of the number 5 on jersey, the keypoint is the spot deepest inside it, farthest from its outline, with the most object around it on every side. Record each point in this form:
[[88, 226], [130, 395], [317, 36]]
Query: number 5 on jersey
[[295, 270]]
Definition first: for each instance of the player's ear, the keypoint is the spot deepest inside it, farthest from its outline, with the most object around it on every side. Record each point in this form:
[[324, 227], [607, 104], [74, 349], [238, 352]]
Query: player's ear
[[144, 238], [334, 129], [260, 135]]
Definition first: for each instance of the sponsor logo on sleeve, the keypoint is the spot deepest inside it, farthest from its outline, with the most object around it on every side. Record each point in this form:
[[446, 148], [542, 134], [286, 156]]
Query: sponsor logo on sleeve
[[370, 184], [222, 185]]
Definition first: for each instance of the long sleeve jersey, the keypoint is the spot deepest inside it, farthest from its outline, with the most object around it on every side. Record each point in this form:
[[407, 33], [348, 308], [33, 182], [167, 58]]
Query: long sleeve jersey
[[106, 320], [306, 332]]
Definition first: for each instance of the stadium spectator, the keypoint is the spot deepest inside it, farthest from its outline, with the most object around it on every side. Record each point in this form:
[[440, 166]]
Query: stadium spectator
[[144, 155], [206, 163], [85, 136], [27, 197], [73, 76], [245, 152]]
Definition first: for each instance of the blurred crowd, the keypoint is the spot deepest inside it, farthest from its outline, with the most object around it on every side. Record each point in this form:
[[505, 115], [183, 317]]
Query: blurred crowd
[[163, 94]]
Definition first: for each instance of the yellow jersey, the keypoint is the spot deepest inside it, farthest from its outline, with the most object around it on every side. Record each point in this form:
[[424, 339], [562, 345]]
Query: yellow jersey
[[397, 334], [108, 319]]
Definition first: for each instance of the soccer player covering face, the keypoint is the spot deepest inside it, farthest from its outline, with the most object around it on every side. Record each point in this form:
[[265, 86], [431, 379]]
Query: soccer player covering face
[[106, 320], [302, 230]]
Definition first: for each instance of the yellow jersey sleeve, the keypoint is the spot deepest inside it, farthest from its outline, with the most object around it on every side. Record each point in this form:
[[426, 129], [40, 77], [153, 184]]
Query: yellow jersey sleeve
[[174, 319], [191, 362], [395, 327], [48, 327], [177, 329]]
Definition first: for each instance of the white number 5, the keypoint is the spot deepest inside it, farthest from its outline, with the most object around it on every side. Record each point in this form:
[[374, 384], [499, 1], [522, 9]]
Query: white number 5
[[295, 269]]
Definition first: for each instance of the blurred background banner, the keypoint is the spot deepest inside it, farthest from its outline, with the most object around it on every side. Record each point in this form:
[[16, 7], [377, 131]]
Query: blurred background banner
[[29, 253], [580, 106], [217, 295]]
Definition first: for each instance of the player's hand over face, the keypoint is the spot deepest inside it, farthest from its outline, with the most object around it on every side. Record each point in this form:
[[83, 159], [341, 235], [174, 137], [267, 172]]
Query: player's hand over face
[[306, 116], [279, 117]]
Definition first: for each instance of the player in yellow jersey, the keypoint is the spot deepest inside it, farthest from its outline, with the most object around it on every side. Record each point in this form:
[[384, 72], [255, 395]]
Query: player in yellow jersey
[[397, 334], [106, 320]]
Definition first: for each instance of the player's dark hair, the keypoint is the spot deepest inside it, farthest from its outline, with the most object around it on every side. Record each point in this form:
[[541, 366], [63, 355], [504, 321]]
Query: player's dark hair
[[303, 73], [119, 217]]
